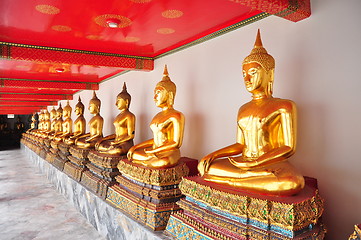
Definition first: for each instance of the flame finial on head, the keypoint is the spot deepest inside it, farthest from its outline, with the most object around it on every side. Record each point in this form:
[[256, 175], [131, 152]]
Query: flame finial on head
[[166, 83], [260, 55], [124, 94], [67, 107], [60, 109], [80, 104], [95, 100]]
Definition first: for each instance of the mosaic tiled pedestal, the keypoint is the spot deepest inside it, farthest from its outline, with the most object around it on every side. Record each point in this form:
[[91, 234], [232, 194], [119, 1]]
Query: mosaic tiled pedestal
[[109, 221], [101, 172], [62, 156], [149, 195], [215, 211], [77, 162]]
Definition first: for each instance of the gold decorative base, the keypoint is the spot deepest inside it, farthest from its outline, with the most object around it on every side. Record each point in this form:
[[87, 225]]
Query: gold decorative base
[[234, 211], [166, 194], [154, 216], [96, 184], [149, 195], [80, 153], [104, 160], [184, 227], [64, 148], [157, 177], [59, 163], [54, 144], [50, 157], [74, 171]]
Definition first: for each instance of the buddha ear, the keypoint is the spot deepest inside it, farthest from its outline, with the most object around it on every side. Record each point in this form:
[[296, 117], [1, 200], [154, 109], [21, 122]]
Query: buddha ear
[[270, 82], [170, 98]]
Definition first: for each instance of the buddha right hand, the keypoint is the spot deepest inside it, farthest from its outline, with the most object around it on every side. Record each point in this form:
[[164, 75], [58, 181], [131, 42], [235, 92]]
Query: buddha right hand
[[130, 153], [204, 163]]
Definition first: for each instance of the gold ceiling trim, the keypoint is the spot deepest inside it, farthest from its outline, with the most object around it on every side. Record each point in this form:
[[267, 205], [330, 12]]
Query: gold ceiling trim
[[71, 51], [39, 80]]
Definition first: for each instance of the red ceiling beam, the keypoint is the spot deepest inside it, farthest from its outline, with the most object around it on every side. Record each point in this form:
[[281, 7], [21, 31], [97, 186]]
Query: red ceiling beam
[[60, 55], [19, 109], [20, 112], [48, 84], [27, 103], [32, 97], [36, 91]]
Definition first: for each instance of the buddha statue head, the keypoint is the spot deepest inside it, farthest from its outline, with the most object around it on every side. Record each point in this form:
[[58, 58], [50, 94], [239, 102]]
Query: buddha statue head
[[67, 110], [53, 113], [258, 69], [79, 107], [59, 112], [165, 90], [123, 99], [94, 104], [46, 114]]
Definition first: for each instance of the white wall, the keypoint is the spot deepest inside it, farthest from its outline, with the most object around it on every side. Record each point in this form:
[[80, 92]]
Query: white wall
[[318, 63]]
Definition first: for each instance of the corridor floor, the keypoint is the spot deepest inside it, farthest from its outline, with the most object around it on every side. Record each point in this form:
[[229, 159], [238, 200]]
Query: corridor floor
[[31, 208]]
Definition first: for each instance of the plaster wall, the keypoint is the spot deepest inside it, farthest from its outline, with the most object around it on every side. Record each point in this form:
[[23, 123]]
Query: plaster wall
[[317, 66]]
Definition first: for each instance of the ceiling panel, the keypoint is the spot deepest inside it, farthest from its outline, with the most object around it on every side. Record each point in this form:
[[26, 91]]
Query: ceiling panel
[[51, 45]]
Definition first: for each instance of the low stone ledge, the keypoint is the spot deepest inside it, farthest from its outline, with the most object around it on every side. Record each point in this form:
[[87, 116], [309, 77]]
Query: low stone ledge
[[109, 221]]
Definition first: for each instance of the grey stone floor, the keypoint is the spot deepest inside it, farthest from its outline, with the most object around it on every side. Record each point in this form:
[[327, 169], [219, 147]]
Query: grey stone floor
[[31, 208]]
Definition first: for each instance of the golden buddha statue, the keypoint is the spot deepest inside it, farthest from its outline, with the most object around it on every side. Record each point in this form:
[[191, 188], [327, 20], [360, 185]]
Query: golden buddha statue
[[53, 114], [41, 121], [120, 142], [79, 124], [67, 124], [266, 137], [58, 123], [39, 132], [32, 124], [47, 122], [19, 125], [167, 126], [95, 124]]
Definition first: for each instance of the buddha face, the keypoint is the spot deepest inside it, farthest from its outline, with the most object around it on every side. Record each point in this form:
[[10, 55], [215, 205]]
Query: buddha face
[[52, 114], [59, 114], [255, 77], [121, 103], [93, 108], [160, 97], [66, 113]]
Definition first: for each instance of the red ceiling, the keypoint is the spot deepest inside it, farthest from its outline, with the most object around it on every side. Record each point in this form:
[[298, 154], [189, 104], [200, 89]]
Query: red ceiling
[[53, 48]]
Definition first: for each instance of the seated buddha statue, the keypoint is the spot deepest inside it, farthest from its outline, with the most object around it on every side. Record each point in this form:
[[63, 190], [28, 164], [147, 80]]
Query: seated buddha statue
[[266, 137], [95, 125], [19, 125], [67, 124], [51, 120], [162, 150], [32, 124], [46, 121], [79, 124], [58, 123], [120, 142], [40, 130]]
